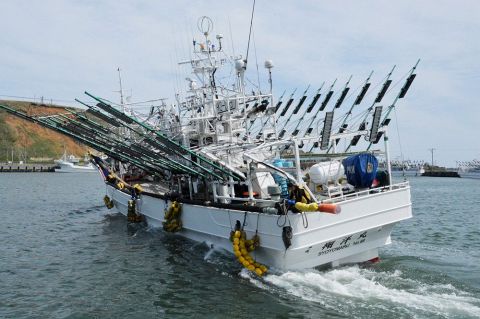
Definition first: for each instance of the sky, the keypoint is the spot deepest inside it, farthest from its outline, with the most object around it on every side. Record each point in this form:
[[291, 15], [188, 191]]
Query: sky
[[59, 49]]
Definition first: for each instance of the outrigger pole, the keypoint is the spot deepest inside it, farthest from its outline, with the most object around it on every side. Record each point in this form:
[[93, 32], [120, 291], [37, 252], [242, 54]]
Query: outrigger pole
[[308, 110], [322, 107], [378, 99], [339, 102], [295, 111], [357, 101], [400, 95], [343, 95]]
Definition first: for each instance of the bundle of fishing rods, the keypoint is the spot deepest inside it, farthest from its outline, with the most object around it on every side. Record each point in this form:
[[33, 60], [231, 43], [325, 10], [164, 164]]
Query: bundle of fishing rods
[[145, 148]]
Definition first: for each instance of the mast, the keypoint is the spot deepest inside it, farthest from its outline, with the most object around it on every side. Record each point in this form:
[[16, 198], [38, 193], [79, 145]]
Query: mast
[[122, 103]]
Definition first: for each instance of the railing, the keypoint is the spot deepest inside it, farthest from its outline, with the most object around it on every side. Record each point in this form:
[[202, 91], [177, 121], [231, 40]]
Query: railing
[[366, 192]]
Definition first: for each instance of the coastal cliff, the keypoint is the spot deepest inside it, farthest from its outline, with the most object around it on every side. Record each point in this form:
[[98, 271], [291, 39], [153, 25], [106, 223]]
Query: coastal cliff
[[30, 142]]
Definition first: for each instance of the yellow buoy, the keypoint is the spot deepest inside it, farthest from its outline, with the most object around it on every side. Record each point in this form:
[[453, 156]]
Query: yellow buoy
[[241, 248]]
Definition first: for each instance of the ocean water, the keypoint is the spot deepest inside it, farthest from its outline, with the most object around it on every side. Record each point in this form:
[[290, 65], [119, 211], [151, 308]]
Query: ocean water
[[64, 255]]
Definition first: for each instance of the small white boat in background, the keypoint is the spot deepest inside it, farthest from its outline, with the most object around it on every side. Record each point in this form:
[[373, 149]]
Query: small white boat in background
[[70, 164]]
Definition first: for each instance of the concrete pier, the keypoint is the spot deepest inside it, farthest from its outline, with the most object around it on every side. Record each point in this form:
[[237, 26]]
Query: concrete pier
[[441, 174], [26, 168]]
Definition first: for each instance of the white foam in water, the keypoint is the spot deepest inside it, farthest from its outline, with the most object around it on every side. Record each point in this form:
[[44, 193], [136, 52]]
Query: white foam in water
[[254, 279], [362, 285], [209, 253]]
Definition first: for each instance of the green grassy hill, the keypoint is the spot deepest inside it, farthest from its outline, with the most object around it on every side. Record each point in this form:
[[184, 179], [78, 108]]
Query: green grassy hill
[[30, 142]]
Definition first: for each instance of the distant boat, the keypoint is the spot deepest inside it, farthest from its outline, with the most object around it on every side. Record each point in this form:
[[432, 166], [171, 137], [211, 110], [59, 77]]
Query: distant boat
[[469, 169], [407, 168], [69, 164]]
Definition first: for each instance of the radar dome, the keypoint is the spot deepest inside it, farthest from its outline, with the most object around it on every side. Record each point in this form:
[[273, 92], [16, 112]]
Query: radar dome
[[239, 65]]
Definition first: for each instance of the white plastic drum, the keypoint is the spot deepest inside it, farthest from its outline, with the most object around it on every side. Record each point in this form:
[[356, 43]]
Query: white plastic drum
[[324, 172]]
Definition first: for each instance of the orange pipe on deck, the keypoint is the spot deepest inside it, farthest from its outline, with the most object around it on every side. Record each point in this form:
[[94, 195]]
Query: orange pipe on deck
[[329, 208]]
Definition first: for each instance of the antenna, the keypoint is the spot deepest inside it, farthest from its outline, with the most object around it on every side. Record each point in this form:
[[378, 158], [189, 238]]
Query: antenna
[[121, 89], [431, 151], [249, 34]]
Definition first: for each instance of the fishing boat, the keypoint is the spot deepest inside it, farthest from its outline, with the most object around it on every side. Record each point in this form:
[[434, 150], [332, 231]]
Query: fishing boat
[[470, 169], [280, 183], [71, 164], [408, 168]]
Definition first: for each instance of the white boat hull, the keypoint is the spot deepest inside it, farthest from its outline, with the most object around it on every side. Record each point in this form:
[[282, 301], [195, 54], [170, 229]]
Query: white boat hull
[[67, 167], [364, 225]]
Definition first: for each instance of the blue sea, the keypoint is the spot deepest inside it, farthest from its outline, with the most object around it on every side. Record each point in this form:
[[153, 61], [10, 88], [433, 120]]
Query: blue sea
[[64, 255]]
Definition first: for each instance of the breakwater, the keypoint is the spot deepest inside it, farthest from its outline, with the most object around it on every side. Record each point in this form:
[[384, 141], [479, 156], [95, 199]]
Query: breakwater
[[26, 168], [441, 174]]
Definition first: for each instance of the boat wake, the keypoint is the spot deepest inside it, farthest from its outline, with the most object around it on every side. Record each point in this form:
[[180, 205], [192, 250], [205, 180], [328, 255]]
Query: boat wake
[[354, 290]]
